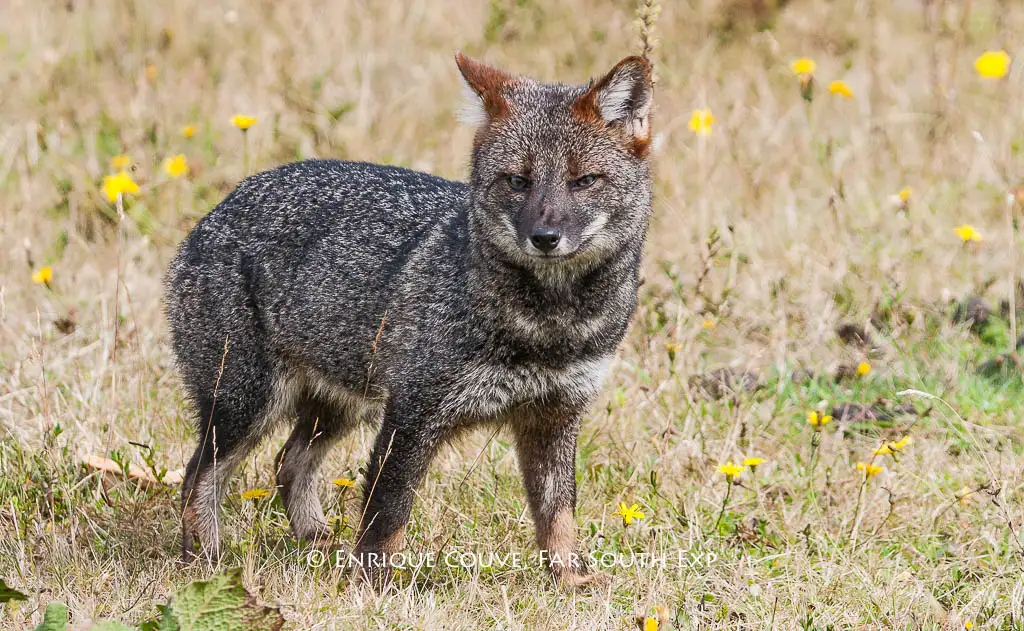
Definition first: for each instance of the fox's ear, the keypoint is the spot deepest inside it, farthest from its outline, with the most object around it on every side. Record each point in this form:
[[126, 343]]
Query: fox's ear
[[622, 97], [485, 101]]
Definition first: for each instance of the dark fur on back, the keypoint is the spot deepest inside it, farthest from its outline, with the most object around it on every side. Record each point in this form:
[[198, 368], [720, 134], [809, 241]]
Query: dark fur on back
[[334, 293]]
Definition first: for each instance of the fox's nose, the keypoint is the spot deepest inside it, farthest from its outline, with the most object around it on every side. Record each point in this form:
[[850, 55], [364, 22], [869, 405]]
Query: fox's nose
[[545, 239]]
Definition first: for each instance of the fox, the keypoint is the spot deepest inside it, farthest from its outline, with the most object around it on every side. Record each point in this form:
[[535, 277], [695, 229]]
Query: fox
[[327, 294]]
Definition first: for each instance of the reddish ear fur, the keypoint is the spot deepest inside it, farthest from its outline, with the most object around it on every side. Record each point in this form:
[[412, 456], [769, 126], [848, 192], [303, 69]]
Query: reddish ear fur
[[622, 98], [487, 82]]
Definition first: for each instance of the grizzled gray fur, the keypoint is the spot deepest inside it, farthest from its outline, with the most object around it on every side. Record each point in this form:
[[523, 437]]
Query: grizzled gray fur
[[325, 294]]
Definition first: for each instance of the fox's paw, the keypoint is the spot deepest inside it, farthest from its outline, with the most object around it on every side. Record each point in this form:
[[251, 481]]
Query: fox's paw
[[377, 579], [321, 538], [311, 529], [575, 579]]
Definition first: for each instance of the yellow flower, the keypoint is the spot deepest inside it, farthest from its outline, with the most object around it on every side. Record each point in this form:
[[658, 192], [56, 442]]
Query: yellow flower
[[840, 88], [968, 625], [629, 513], [901, 444], [701, 122], [752, 462], [176, 166], [818, 421], [804, 70], [869, 469], [709, 324], [730, 470], [255, 494], [967, 233], [863, 369], [119, 184], [964, 495], [120, 162], [993, 64], [672, 350], [43, 276], [151, 72], [650, 624], [344, 482], [884, 450], [188, 131], [803, 66], [243, 122], [905, 194]]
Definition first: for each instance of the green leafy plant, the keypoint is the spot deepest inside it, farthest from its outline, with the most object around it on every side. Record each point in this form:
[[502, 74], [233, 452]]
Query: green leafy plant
[[219, 604]]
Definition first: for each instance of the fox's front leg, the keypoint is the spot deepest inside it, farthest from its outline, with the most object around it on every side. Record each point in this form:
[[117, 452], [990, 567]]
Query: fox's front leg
[[402, 452], [547, 457]]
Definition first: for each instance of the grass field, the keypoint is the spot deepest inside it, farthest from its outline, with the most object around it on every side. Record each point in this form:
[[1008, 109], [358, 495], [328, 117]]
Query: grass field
[[781, 228]]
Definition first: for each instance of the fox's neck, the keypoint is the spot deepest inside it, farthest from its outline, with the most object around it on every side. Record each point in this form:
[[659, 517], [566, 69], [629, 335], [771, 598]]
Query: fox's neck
[[558, 307]]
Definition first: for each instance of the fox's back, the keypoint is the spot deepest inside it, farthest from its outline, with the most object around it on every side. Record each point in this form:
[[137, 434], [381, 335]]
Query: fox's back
[[310, 250], [374, 209]]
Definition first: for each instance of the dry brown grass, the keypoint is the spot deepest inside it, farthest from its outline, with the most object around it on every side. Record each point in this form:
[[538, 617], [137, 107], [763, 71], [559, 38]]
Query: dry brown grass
[[808, 236]]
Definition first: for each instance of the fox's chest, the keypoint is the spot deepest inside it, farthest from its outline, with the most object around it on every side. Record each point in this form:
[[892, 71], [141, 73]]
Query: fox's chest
[[490, 390]]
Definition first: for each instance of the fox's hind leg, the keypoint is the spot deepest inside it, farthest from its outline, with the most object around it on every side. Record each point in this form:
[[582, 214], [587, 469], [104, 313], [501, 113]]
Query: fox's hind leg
[[230, 425], [202, 491], [321, 423]]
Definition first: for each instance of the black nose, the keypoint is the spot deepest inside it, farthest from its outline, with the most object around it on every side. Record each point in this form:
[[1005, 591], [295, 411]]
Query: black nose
[[545, 239]]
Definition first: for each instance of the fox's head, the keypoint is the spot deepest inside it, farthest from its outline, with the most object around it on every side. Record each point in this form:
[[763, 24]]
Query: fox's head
[[560, 173]]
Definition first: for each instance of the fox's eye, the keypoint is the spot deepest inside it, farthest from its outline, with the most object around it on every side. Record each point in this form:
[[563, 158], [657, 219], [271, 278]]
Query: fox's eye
[[584, 182], [518, 182]]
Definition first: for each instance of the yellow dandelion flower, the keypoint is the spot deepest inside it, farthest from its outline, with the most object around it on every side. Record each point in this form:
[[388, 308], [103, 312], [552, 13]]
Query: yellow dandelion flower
[[901, 444], [242, 121], [968, 625], [43, 276], [709, 324], [650, 624], [730, 470], [993, 64], [629, 513], [119, 183], [863, 369], [176, 166], [884, 450], [120, 162], [752, 461], [673, 348], [188, 131], [964, 495], [344, 482], [701, 122], [255, 494], [905, 194], [803, 66], [818, 421], [870, 470], [967, 232], [840, 88]]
